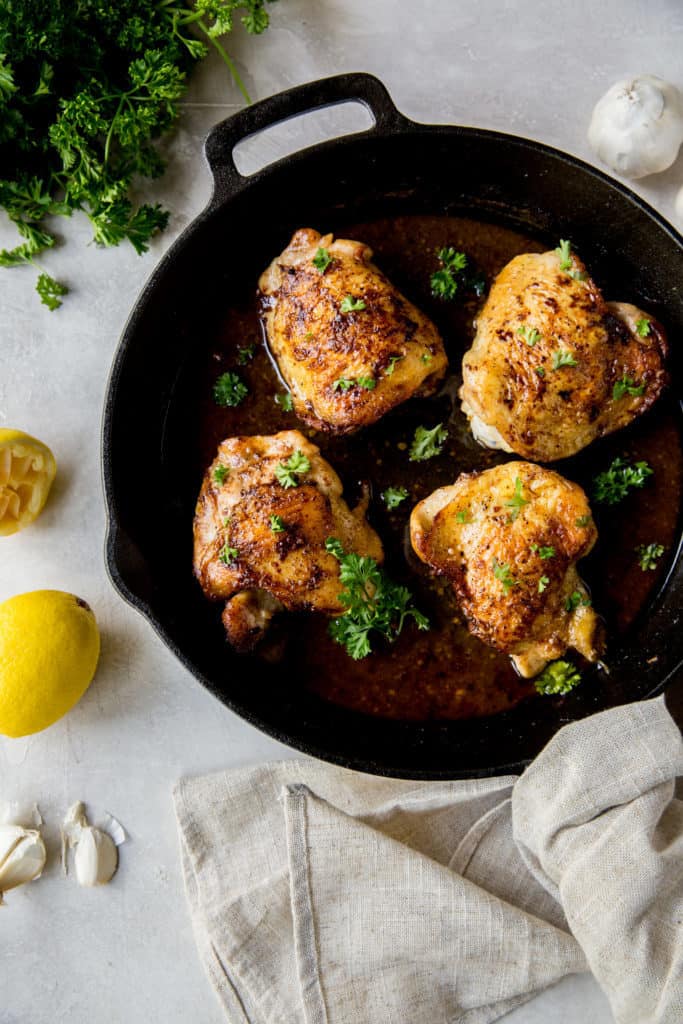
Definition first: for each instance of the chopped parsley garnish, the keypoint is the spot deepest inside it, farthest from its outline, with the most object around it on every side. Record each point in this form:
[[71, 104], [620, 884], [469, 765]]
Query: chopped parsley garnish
[[643, 327], [649, 555], [288, 472], [284, 400], [503, 574], [543, 583], [229, 390], [228, 555], [346, 383], [427, 443], [627, 386], [443, 282], [220, 474], [463, 516], [564, 255], [277, 524], [393, 496], [613, 485], [562, 358], [49, 291], [530, 335], [351, 305], [322, 260], [575, 599], [558, 677], [517, 501], [426, 357], [582, 521], [245, 353], [373, 603], [547, 551], [391, 365], [540, 371]]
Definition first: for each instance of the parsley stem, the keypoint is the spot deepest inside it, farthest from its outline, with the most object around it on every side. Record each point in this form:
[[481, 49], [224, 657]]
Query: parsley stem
[[228, 60]]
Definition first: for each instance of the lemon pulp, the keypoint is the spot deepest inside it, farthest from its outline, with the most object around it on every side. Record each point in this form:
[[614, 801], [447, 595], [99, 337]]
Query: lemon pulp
[[27, 469]]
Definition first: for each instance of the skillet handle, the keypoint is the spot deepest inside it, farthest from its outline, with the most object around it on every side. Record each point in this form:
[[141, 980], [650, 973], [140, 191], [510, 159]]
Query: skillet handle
[[325, 92]]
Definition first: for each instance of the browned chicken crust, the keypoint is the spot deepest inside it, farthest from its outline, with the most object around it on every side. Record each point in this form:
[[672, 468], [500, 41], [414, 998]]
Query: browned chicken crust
[[265, 570], [389, 343], [479, 535], [515, 397]]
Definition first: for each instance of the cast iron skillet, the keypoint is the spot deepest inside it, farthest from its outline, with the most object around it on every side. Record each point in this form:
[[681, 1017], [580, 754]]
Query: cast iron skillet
[[150, 476]]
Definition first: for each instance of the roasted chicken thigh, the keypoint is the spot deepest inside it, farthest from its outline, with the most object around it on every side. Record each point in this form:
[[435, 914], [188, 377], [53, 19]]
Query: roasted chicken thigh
[[348, 344], [508, 539], [553, 366], [266, 507]]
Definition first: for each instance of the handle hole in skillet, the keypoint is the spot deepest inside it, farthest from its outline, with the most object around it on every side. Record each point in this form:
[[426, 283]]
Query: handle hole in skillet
[[307, 129]]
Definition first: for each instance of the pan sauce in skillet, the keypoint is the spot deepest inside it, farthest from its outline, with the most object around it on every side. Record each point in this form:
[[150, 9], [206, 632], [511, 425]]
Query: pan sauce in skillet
[[445, 673]]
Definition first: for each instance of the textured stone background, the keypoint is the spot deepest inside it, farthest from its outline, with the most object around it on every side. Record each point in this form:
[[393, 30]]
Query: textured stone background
[[125, 954]]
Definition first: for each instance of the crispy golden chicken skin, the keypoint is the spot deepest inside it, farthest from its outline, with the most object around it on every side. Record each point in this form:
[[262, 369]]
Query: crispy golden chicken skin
[[259, 537], [542, 377], [345, 367], [508, 539]]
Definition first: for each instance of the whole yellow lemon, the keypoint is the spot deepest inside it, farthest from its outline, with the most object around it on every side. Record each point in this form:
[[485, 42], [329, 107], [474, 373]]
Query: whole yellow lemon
[[49, 648], [27, 469]]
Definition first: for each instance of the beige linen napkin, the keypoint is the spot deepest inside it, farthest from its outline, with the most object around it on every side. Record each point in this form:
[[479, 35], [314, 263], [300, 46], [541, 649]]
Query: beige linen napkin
[[321, 896]]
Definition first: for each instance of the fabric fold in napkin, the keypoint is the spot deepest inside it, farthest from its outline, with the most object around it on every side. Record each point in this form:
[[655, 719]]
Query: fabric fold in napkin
[[321, 896]]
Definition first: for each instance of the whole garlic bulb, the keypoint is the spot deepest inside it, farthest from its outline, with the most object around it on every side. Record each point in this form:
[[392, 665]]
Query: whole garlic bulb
[[22, 856], [637, 126]]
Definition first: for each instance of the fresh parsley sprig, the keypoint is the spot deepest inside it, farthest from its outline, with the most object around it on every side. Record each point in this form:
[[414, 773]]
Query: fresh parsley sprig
[[229, 390], [613, 485], [427, 443], [394, 496], [85, 91], [649, 555], [374, 603], [288, 472], [627, 386]]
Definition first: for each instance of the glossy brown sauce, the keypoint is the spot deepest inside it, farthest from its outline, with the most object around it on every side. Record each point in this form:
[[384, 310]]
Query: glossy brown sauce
[[445, 673]]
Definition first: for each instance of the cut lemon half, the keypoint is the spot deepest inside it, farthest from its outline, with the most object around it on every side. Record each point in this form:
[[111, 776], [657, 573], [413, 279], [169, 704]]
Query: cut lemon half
[[27, 469]]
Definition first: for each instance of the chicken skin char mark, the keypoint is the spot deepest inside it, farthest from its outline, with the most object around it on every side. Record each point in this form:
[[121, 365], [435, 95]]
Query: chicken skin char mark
[[260, 532], [553, 366], [348, 344], [508, 540]]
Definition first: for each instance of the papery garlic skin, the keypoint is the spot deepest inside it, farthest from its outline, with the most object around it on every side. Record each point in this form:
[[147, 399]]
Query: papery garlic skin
[[96, 857], [637, 126], [22, 856]]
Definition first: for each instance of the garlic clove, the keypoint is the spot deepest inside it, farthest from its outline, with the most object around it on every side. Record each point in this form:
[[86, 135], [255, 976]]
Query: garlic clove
[[96, 857], [22, 856], [637, 126]]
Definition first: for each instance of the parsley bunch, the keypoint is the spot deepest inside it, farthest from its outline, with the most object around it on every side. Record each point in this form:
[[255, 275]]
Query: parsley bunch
[[85, 90], [373, 602]]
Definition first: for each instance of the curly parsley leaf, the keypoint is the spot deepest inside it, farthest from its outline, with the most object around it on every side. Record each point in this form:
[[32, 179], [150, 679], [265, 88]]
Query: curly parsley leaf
[[220, 475], [288, 472], [50, 291], [322, 260], [229, 390], [427, 443], [530, 335], [543, 583], [517, 501], [563, 253], [649, 555], [228, 555], [559, 677], [627, 386], [562, 358], [285, 402], [503, 574], [351, 305], [643, 327], [444, 282], [575, 599], [277, 524], [374, 603], [613, 485], [245, 354], [393, 496]]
